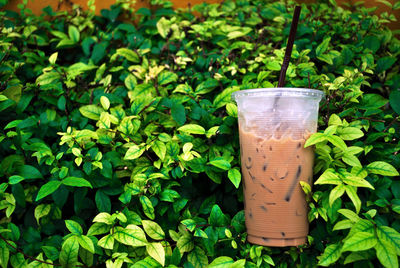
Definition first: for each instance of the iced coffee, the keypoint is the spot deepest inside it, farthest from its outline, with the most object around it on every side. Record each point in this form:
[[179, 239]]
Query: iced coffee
[[274, 161]]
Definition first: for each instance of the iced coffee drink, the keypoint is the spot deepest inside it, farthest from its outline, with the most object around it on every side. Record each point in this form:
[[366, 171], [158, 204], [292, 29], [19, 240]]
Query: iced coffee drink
[[274, 161]]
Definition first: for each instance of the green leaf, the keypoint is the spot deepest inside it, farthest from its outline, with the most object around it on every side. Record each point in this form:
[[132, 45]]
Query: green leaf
[[217, 218], [76, 182], [331, 254], [360, 241], [352, 193], [342, 225], [338, 142], [104, 217], [235, 177], [105, 102], [91, 111], [147, 206], [314, 139], [178, 113], [98, 228], [351, 160], [382, 64], [166, 78], [329, 177], [349, 214], [220, 163], [73, 33], [51, 252], [29, 172], [47, 189], [157, 252], [73, 227], [103, 201], [323, 47], [153, 230], [106, 242], [129, 54], [86, 243], [134, 152], [163, 27], [336, 193], [349, 133], [390, 236], [190, 224], [200, 233], [185, 244], [382, 168], [198, 258], [273, 65], [4, 254], [224, 97], [394, 98], [15, 179], [356, 181], [362, 226], [41, 211], [192, 129], [130, 82], [159, 149], [221, 262], [69, 252], [53, 58], [386, 255], [132, 235]]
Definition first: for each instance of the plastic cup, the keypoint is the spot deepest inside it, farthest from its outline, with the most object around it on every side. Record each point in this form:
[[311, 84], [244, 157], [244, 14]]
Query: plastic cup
[[274, 124]]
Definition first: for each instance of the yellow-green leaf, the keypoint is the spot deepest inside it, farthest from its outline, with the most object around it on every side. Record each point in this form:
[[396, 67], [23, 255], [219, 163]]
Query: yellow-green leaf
[[41, 211], [159, 149], [389, 236], [106, 242], [91, 111], [386, 255], [157, 252], [129, 54], [360, 241], [105, 102], [349, 133], [351, 191], [69, 252], [221, 262], [198, 258], [336, 193], [382, 168], [153, 230], [147, 206], [185, 243], [192, 129], [329, 177], [134, 152], [132, 235], [315, 138], [331, 254]]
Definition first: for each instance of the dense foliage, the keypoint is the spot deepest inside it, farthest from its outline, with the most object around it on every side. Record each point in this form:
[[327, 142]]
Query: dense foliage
[[119, 141]]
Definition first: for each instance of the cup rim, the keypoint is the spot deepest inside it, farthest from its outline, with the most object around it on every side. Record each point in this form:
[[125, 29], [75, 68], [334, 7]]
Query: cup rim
[[279, 92]]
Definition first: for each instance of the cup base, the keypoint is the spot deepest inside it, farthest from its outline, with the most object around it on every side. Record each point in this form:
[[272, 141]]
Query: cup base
[[276, 242]]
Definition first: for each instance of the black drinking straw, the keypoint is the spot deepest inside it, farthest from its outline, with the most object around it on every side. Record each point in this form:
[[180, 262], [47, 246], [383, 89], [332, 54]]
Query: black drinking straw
[[289, 46]]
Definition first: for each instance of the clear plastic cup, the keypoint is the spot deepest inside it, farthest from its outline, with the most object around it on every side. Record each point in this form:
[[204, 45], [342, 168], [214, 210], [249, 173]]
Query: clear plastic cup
[[274, 124]]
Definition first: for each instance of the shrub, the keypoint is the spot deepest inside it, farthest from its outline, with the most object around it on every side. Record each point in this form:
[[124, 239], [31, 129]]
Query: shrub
[[119, 142]]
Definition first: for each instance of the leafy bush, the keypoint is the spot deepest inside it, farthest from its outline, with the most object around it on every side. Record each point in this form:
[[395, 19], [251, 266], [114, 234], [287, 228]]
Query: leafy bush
[[119, 143]]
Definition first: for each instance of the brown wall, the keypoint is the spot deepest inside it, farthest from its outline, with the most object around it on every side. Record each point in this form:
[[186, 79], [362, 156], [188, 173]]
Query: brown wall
[[37, 5]]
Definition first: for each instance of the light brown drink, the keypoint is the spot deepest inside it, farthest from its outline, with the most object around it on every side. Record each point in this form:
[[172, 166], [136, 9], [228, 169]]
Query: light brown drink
[[275, 206]]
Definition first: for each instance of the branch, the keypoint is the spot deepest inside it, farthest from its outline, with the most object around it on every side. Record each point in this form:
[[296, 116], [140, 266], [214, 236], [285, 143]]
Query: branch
[[27, 256]]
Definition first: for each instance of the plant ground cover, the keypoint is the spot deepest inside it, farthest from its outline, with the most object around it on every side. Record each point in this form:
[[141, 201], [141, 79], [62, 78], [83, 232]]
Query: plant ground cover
[[119, 142]]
